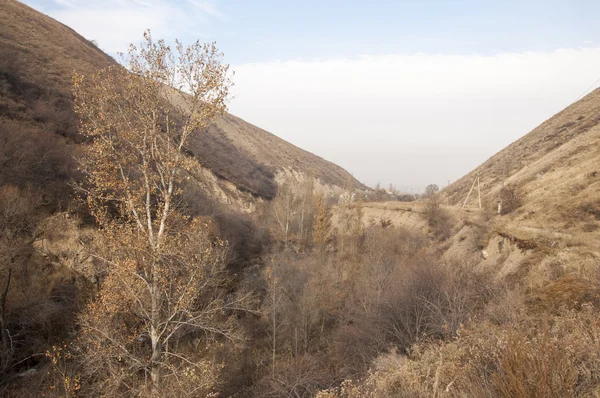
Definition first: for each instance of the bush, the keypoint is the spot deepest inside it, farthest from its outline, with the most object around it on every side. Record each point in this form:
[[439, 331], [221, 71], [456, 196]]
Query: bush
[[554, 356], [511, 196], [438, 218]]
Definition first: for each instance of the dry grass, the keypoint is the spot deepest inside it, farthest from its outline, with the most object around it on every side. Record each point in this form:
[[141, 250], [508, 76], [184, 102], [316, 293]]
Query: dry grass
[[546, 141], [542, 357]]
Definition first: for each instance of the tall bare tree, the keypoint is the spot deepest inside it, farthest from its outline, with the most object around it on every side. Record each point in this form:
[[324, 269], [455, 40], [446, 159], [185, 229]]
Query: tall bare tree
[[162, 280]]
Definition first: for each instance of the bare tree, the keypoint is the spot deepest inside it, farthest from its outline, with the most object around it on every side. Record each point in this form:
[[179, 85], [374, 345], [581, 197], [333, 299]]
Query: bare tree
[[307, 208], [285, 208], [293, 211], [431, 190], [350, 227], [163, 272]]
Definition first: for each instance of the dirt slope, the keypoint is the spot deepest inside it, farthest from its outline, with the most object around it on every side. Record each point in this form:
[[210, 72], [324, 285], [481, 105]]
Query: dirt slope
[[556, 168], [563, 142], [37, 58]]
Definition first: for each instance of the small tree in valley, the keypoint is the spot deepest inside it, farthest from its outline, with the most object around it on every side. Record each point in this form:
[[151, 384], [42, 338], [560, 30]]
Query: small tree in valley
[[431, 190]]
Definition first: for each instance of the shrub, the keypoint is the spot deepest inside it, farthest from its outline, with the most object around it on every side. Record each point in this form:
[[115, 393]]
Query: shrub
[[511, 196], [438, 218]]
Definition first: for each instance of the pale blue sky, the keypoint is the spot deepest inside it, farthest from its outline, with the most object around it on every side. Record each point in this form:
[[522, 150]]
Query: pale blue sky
[[383, 88], [266, 30]]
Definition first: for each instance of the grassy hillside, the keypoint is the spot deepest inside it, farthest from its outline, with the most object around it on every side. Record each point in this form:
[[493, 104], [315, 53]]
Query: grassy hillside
[[232, 145], [566, 139], [37, 58]]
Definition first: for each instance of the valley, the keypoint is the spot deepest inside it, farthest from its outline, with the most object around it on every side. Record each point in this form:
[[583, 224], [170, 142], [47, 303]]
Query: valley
[[152, 244]]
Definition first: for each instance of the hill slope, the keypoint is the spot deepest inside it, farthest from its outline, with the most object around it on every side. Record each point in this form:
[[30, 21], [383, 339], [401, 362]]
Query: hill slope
[[562, 148], [556, 230], [556, 171], [37, 58]]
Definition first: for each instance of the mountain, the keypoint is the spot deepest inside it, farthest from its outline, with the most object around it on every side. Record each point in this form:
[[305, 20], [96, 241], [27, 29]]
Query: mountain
[[555, 168], [37, 58]]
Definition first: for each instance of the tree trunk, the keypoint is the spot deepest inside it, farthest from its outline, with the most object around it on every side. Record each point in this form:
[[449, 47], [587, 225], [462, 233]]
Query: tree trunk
[[155, 365], [3, 328], [155, 359]]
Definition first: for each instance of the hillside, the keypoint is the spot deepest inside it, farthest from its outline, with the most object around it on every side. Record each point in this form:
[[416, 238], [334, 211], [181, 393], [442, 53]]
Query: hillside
[[37, 58], [555, 170], [562, 144]]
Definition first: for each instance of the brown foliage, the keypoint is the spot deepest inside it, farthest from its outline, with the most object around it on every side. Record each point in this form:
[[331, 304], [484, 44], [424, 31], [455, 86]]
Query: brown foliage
[[321, 225], [511, 197], [438, 219], [164, 282]]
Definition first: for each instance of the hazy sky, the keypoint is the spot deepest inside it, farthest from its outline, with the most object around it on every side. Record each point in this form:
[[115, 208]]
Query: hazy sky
[[402, 92]]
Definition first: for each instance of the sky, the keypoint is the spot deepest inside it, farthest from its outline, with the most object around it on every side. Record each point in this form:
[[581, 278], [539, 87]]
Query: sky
[[397, 92]]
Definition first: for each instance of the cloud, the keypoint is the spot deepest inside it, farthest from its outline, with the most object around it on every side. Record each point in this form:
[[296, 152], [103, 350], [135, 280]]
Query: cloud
[[205, 7], [65, 3], [116, 23], [411, 119]]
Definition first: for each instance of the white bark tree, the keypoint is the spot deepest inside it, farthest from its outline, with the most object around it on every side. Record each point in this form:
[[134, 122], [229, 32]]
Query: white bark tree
[[163, 272]]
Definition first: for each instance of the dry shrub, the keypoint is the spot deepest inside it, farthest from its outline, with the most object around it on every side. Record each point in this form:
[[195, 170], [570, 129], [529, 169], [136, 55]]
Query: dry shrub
[[438, 219], [558, 358], [481, 228], [568, 291], [590, 209], [400, 295], [295, 376], [512, 198], [42, 297], [537, 367], [432, 302], [590, 227], [303, 298], [35, 157], [555, 356], [505, 307], [350, 231]]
